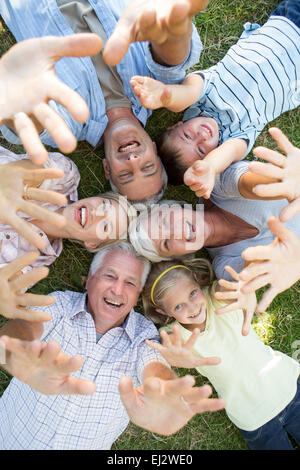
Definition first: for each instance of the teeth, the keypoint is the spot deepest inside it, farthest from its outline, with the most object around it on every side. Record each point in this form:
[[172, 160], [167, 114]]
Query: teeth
[[83, 216], [111, 302], [130, 146]]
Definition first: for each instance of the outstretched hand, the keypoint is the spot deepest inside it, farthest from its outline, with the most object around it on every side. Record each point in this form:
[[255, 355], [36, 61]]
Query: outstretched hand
[[285, 169], [237, 299], [13, 180], [12, 281], [152, 93], [28, 82], [44, 367], [180, 354], [158, 23], [165, 406], [200, 177], [277, 264]]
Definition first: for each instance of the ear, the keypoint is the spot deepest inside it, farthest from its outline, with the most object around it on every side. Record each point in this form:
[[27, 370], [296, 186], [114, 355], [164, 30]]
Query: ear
[[88, 280], [159, 310], [106, 168], [195, 276]]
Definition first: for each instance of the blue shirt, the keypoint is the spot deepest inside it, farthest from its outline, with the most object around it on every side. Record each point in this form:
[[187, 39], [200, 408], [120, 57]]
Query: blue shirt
[[33, 421], [256, 81], [35, 18]]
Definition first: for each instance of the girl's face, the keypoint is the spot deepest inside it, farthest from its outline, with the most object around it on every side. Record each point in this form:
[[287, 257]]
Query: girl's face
[[186, 303], [94, 220]]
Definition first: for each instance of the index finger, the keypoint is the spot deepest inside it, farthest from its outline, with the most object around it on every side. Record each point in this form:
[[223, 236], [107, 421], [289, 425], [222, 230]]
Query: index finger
[[75, 45], [19, 263], [282, 141]]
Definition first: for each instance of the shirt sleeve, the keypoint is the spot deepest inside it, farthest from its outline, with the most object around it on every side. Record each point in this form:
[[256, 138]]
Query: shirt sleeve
[[176, 73], [227, 182], [146, 355]]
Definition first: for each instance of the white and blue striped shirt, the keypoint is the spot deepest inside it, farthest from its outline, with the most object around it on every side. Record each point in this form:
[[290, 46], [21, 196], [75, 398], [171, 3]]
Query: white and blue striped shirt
[[33, 421], [35, 18], [256, 81]]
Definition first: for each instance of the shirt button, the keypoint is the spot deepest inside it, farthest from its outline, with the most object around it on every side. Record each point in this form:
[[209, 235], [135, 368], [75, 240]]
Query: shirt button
[[41, 234], [7, 236]]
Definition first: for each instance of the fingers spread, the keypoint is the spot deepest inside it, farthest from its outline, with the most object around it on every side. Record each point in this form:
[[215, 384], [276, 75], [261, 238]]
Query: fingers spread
[[19, 263], [29, 136], [50, 197], [25, 280]]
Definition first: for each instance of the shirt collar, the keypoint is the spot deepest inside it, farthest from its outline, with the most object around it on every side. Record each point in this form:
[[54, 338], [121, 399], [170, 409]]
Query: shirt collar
[[80, 306]]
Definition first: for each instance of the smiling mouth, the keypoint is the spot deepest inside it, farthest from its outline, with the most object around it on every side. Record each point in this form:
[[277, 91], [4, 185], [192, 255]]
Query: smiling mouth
[[128, 146], [208, 129], [113, 303], [191, 232], [197, 314], [81, 215]]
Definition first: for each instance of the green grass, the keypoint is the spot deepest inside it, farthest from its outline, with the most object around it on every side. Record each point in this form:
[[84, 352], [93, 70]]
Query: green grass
[[220, 27]]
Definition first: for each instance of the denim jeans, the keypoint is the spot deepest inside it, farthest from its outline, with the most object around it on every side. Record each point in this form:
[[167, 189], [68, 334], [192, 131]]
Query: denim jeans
[[290, 9], [274, 434]]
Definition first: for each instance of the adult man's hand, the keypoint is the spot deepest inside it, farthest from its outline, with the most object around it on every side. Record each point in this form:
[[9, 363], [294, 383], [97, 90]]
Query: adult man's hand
[[165, 406], [277, 264], [13, 189], [284, 169], [12, 281], [157, 22], [28, 82], [44, 367]]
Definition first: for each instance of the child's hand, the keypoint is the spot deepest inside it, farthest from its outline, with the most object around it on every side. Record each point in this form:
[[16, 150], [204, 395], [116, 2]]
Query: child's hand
[[179, 354], [151, 93], [234, 295], [200, 178], [284, 169]]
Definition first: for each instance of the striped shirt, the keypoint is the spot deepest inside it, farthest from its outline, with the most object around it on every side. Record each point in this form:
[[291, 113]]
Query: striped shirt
[[34, 421], [35, 18], [256, 81], [12, 244]]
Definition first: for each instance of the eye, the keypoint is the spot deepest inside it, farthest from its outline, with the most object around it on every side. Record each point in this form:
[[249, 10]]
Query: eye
[[129, 283], [166, 246], [186, 135], [194, 292], [178, 307], [202, 154]]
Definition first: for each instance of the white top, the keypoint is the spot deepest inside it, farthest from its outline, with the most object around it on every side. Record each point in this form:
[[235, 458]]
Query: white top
[[256, 381], [33, 421], [12, 244]]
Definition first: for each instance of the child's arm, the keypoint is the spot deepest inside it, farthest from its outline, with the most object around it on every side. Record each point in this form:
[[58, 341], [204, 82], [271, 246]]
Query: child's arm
[[179, 354], [200, 177], [232, 292], [154, 94]]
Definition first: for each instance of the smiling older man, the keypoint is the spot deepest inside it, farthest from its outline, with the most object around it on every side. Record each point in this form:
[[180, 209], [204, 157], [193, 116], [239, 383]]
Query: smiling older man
[[103, 328]]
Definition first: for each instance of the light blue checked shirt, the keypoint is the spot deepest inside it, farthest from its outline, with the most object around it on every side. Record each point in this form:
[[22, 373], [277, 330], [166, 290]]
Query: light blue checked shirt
[[35, 18], [31, 420]]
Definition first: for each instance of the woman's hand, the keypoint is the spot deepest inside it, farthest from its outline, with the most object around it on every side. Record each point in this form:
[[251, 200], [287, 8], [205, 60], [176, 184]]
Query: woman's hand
[[237, 299], [12, 281], [180, 354], [14, 192]]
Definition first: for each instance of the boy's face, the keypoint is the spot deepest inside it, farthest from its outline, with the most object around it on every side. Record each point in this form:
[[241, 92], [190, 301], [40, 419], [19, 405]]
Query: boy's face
[[195, 138]]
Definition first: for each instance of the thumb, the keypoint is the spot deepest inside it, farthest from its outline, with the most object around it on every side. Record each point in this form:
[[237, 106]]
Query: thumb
[[290, 210], [118, 43], [279, 229]]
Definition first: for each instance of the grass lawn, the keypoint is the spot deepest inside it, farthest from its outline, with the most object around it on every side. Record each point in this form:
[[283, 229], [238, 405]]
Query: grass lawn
[[220, 27]]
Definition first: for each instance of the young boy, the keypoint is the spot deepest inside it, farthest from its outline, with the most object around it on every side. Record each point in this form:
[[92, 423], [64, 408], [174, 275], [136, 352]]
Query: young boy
[[231, 102]]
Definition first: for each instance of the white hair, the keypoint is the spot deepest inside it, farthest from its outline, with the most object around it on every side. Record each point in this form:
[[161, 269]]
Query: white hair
[[144, 203], [125, 247]]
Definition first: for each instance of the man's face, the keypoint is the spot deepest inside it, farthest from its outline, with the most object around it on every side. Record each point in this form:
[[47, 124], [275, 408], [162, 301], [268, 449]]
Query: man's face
[[131, 160], [194, 138], [114, 289]]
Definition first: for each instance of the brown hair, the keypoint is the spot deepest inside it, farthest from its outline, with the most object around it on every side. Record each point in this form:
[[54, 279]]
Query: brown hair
[[171, 158], [199, 267]]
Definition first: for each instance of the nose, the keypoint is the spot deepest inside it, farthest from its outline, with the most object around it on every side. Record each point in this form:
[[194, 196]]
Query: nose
[[117, 287], [201, 135]]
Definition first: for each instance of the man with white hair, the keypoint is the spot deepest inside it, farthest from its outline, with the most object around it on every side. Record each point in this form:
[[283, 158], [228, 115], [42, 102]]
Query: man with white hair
[[45, 408]]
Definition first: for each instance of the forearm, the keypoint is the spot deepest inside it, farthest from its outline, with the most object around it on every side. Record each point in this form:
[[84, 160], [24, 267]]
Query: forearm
[[229, 152], [186, 93], [174, 50], [159, 370]]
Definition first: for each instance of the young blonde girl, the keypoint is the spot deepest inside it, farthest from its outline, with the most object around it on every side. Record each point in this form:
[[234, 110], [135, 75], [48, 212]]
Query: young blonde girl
[[260, 385]]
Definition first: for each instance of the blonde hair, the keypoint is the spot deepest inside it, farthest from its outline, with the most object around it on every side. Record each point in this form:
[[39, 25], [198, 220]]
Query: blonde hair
[[199, 267], [131, 216]]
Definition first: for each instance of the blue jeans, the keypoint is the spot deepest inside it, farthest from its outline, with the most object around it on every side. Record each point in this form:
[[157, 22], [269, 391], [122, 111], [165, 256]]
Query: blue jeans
[[274, 434], [290, 9]]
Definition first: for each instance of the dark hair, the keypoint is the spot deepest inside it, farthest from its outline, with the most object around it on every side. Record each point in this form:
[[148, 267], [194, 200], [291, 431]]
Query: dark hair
[[170, 158]]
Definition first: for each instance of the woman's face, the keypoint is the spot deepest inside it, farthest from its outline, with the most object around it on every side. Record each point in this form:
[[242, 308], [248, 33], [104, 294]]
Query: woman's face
[[175, 230], [94, 220], [185, 302]]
